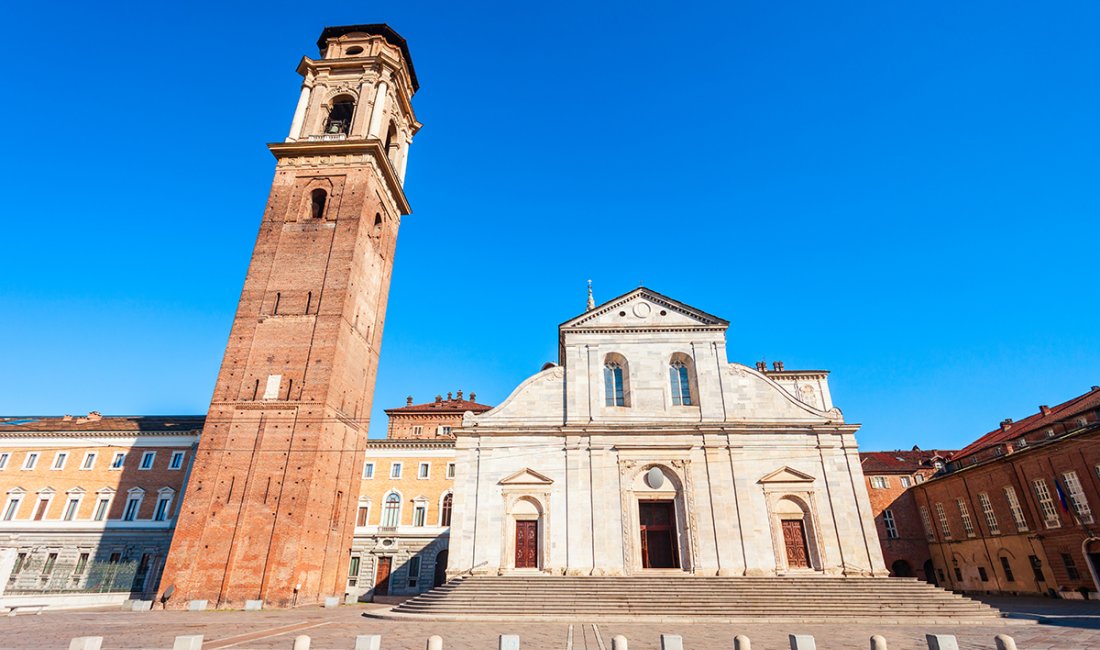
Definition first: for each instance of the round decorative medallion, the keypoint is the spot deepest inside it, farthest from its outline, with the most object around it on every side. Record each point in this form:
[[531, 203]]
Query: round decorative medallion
[[642, 309], [655, 478]]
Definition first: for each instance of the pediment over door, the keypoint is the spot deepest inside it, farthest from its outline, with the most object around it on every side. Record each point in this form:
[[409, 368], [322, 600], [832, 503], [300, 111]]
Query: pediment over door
[[786, 475], [526, 476]]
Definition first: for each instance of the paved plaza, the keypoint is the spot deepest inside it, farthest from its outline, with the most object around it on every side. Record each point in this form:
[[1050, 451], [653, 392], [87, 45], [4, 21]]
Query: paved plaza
[[1069, 626]]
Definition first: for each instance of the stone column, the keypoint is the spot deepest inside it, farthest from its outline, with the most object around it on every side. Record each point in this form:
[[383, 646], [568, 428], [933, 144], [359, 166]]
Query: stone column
[[378, 111], [299, 115]]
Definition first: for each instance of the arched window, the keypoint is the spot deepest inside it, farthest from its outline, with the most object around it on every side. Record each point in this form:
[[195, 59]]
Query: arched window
[[445, 510], [377, 231], [616, 378], [391, 510], [339, 116], [392, 145], [317, 203], [680, 379]]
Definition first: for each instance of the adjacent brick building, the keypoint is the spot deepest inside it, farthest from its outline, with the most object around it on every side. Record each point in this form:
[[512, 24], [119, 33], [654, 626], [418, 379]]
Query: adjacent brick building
[[90, 502], [889, 476], [433, 420], [1014, 511]]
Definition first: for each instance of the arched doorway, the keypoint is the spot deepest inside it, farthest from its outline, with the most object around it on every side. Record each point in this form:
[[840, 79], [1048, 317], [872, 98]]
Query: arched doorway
[[901, 569], [1091, 549], [440, 568], [527, 533], [657, 536], [797, 538], [930, 573]]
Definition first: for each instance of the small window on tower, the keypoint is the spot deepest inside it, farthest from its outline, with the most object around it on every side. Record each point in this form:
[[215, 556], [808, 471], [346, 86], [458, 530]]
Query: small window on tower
[[377, 225], [317, 203], [339, 116]]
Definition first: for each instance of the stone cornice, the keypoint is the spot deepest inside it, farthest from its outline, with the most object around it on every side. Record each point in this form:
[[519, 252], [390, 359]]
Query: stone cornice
[[372, 147], [671, 429]]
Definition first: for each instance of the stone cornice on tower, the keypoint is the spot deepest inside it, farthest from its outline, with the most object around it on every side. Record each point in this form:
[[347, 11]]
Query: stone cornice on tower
[[323, 149]]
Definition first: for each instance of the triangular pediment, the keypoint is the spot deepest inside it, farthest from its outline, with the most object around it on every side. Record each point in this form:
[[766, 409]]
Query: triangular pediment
[[787, 475], [526, 477], [643, 309]]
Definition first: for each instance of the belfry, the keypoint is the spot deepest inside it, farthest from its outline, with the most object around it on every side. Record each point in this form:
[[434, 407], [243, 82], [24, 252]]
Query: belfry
[[269, 508]]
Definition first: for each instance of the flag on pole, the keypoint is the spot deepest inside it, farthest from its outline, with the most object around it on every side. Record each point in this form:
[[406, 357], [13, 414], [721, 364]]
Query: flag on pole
[[1061, 495]]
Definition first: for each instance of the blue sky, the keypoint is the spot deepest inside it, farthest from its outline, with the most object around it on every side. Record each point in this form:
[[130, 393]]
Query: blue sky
[[902, 193]]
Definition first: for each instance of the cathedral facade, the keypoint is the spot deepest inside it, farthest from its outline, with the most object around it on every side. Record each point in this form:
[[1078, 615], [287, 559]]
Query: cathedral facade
[[645, 450]]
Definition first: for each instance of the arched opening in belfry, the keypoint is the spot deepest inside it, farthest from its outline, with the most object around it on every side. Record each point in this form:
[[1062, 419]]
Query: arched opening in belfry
[[339, 116], [392, 145]]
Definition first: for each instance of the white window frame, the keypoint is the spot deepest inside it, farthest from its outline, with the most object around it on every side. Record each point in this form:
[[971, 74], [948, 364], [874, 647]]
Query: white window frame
[[88, 462], [400, 505], [1046, 503], [72, 502], [1077, 497], [919, 478], [879, 482], [906, 482], [396, 469], [444, 430], [164, 495], [102, 499], [450, 470], [363, 505], [964, 512], [31, 460], [890, 523], [418, 430], [990, 514], [118, 461], [424, 471], [1016, 509], [46, 495], [136, 496], [941, 515], [59, 460], [926, 519], [176, 461], [420, 507], [152, 458], [12, 505], [4, 456], [414, 577], [368, 470]]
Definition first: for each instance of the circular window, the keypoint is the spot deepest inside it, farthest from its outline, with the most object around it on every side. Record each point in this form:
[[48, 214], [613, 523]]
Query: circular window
[[655, 478], [664, 313], [352, 51], [622, 313]]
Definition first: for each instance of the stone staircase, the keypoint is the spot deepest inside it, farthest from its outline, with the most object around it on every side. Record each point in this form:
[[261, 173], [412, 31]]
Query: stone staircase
[[681, 598]]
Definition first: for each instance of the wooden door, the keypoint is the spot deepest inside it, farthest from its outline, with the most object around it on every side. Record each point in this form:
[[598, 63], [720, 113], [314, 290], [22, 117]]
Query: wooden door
[[794, 536], [657, 521], [527, 544], [382, 576]]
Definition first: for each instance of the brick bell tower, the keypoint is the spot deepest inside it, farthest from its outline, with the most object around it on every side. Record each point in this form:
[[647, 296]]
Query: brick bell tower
[[269, 509]]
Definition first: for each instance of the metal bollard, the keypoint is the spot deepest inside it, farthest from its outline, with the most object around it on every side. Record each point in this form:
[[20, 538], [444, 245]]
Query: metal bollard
[[741, 642], [301, 642], [435, 642], [941, 642], [191, 642], [802, 642], [878, 642], [509, 642], [86, 643], [672, 642], [368, 642], [619, 642], [1005, 642]]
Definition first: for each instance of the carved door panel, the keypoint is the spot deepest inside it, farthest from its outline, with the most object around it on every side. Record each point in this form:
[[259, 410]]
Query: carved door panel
[[527, 544], [658, 534], [382, 576], [794, 537]]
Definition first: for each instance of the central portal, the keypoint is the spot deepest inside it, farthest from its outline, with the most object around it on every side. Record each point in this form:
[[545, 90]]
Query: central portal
[[527, 544], [658, 534]]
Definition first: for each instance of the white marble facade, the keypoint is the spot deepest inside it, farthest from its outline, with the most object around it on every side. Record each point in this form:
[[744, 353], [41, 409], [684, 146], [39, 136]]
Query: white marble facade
[[754, 473]]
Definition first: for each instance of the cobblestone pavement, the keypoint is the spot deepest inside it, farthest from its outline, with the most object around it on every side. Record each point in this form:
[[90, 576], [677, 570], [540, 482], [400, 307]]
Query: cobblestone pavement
[[332, 629]]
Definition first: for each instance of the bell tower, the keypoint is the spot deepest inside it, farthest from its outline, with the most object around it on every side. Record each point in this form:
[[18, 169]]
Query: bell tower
[[268, 512]]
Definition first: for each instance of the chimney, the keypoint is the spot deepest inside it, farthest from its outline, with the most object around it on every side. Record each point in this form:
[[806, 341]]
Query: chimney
[[409, 400], [67, 418], [1044, 409], [450, 396], [473, 396], [459, 393], [762, 366], [94, 416], [438, 399], [1006, 424], [777, 366]]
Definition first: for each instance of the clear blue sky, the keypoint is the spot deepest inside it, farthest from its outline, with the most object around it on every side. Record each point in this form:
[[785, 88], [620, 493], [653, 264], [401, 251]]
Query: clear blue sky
[[905, 194]]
